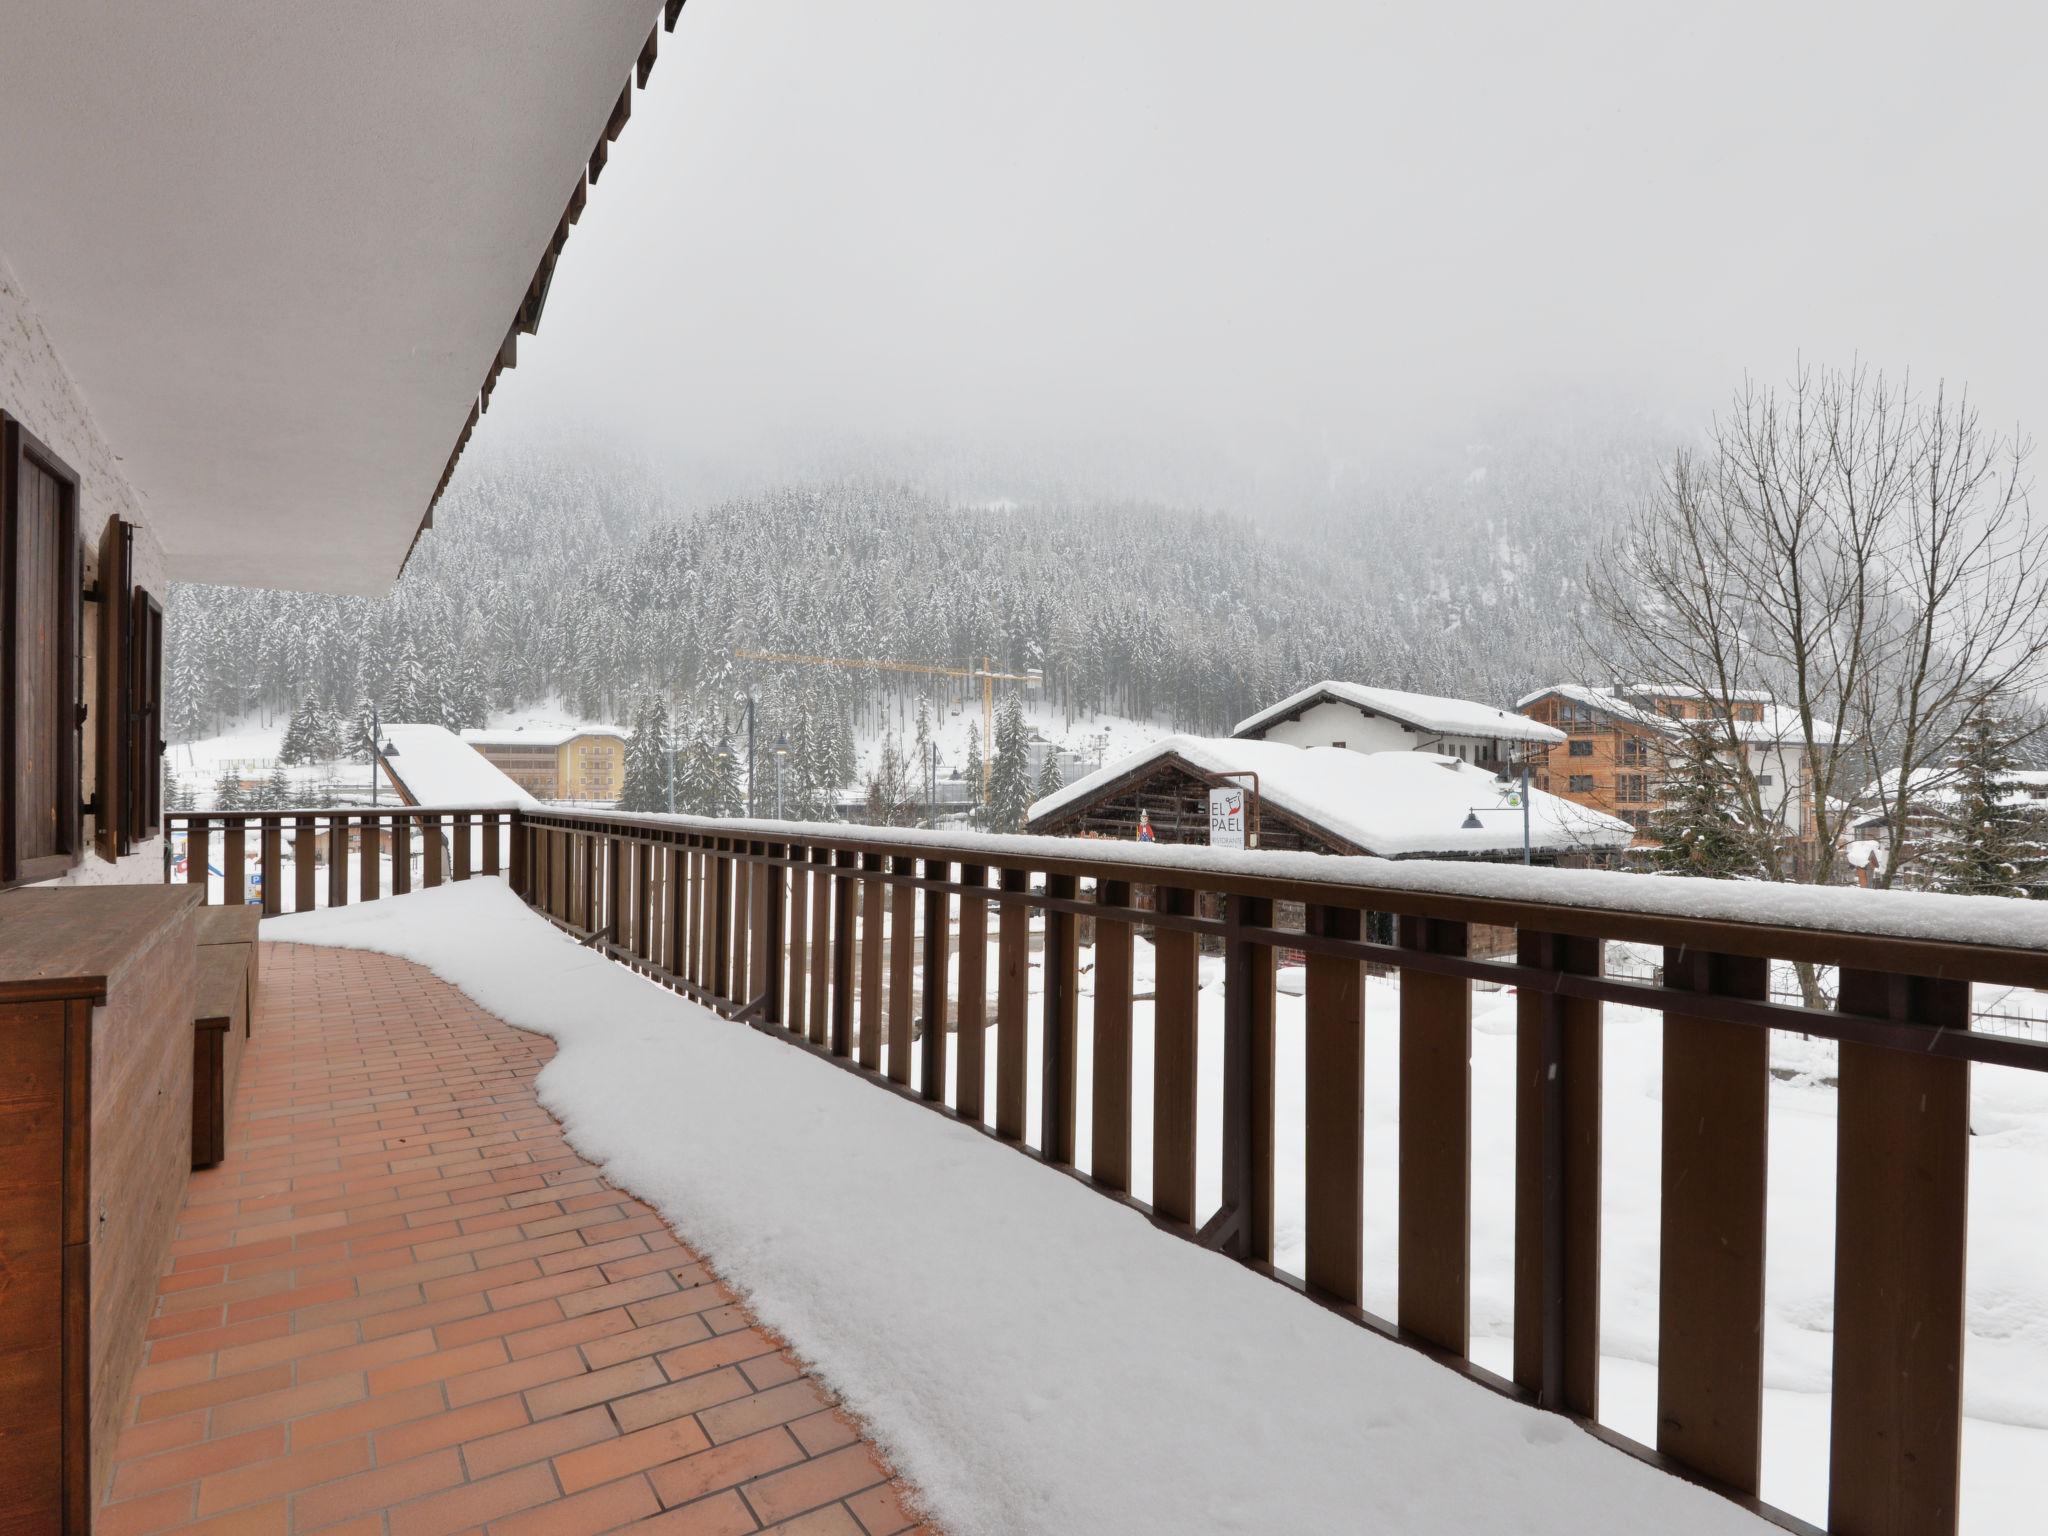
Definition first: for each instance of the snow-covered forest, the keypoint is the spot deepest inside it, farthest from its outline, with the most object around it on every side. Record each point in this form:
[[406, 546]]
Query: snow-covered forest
[[596, 581]]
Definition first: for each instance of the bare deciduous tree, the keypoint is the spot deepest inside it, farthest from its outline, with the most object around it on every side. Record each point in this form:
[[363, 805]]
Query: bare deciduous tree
[[1864, 554]]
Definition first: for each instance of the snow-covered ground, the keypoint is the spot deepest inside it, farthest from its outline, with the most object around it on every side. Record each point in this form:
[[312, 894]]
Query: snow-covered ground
[[1042, 1362], [1097, 738]]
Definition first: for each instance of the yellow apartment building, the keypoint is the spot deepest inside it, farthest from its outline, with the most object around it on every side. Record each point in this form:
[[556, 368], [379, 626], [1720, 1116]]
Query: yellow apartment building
[[579, 762]]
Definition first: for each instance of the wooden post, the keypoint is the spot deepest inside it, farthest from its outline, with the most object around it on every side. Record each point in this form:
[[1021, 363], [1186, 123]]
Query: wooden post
[[401, 855], [1557, 1179], [302, 864], [932, 1013], [677, 914], [1334, 1109], [1710, 1311], [461, 822], [1059, 1036], [842, 954], [494, 850], [272, 855], [1248, 1005], [1902, 1172], [1110, 1114], [1435, 1255], [618, 869], [821, 946], [871, 964], [337, 860], [972, 1073], [1173, 1060], [721, 928], [760, 961], [369, 872], [774, 916], [796, 997], [1013, 959], [234, 861], [197, 838], [431, 850]]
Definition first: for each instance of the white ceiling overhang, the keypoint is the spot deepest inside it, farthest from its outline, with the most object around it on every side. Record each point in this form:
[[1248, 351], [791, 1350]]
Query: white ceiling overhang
[[280, 247]]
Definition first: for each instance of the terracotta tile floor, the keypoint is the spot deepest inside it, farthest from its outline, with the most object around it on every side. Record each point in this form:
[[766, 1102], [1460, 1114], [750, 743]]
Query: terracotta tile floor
[[403, 1306]]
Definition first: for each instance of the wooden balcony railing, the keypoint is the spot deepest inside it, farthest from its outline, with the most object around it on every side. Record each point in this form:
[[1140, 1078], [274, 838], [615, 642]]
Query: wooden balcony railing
[[792, 928], [335, 856]]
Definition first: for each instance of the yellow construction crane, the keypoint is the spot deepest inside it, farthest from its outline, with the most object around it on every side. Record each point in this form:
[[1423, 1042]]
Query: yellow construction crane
[[986, 672]]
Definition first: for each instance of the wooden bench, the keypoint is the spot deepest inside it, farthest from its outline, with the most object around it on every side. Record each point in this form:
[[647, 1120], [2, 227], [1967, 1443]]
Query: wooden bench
[[220, 1029]]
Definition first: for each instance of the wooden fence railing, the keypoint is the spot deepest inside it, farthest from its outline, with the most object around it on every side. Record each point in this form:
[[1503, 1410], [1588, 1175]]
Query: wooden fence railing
[[865, 945]]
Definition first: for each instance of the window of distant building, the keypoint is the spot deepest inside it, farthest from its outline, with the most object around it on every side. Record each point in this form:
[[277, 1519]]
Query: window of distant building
[[1630, 787], [1582, 749], [1337, 743], [1580, 784], [1763, 781]]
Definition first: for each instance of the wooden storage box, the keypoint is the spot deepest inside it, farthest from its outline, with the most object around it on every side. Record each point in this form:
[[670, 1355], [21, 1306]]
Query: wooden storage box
[[235, 928], [96, 1009]]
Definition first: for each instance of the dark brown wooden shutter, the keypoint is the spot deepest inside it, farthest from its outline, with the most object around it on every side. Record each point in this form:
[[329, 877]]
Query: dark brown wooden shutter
[[112, 702], [41, 638], [144, 774]]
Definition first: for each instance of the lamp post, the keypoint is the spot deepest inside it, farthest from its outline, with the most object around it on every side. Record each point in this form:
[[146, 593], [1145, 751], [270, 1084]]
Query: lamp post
[[750, 752], [1472, 823], [781, 751], [931, 783]]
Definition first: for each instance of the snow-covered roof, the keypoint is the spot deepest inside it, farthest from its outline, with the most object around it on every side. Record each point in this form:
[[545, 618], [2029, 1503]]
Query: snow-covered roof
[[437, 768], [1427, 712], [536, 736], [1778, 723], [1394, 804]]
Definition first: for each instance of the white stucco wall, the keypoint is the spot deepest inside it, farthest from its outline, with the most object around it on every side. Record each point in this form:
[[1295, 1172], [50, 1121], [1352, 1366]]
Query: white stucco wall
[[1326, 724], [36, 390]]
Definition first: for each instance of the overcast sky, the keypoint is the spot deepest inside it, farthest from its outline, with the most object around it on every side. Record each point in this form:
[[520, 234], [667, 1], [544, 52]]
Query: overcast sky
[[1323, 224]]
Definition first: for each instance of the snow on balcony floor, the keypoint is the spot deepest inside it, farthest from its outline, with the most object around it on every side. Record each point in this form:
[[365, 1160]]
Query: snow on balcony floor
[[1033, 1357]]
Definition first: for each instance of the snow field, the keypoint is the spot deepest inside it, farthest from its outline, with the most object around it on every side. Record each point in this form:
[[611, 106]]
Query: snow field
[[2006, 1381]]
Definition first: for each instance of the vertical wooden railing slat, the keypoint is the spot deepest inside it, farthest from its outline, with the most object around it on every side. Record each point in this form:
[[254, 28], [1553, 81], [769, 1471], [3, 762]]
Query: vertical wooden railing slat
[[337, 860], [234, 861], [493, 853], [644, 930], [1174, 1061], [198, 837], [369, 870], [1710, 1306], [1060, 1030], [401, 855], [1435, 1243], [304, 836], [1248, 1050], [1110, 1112], [272, 857], [1334, 1109], [761, 960], [843, 943], [970, 1094], [1901, 1230], [461, 822], [773, 903], [740, 974], [1013, 958], [821, 946], [431, 850], [871, 1016], [721, 924], [932, 989], [676, 915], [902, 954], [617, 903], [1557, 1179], [796, 996]]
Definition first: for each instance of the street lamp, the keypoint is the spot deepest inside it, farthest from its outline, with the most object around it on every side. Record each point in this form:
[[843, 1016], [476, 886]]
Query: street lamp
[[1520, 801], [781, 751]]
